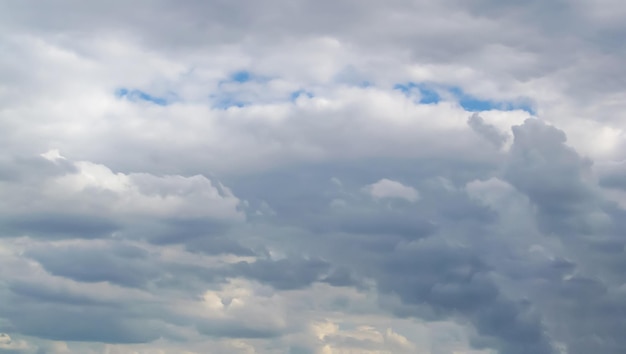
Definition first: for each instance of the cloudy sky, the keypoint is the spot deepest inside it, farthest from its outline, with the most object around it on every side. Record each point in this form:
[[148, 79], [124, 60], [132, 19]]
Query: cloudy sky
[[312, 177]]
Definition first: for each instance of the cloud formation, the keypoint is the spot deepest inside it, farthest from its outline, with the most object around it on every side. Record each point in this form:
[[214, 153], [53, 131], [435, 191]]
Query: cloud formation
[[312, 177]]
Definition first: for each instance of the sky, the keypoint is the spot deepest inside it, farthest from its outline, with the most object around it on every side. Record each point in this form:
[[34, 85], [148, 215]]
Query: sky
[[312, 177]]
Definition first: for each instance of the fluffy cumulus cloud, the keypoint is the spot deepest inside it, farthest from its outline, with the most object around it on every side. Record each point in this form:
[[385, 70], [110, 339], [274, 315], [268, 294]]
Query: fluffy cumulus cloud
[[312, 177]]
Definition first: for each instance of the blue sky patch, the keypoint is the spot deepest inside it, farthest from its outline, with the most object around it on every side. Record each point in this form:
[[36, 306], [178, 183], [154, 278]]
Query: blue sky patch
[[474, 104], [427, 95], [430, 94], [244, 76], [227, 101], [241, 76], [138, 95], [352, 76], [294, 95]]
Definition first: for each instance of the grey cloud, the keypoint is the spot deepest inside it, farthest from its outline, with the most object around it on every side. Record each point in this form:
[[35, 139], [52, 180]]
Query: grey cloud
[[286, 189], [451, 281], [236, 329], [66, 311], [46, 199], [13, 351], [454, 281], [615, 180], [119, 264], [613, 175], [300, 350], [198, 235], [58, 225], [593, 314], [24, 178], [87, 324], [218, 245], [28, 168], [27, 291], [342, 276], [558, 183], [364, 222], [487, 131], [38, 314], [553, 175], [283, 274]]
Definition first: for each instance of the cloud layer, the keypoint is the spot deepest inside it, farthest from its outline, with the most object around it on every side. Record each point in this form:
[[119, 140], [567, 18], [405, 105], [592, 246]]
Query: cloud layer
[[312, 177]]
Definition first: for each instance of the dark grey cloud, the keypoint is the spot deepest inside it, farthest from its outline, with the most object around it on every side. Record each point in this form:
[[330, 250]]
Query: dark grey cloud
[[454, 281], [86, 324], [557, 180], [283, 274], [12, 351], [550, 173], [342, 276], [198, 235], [218, 245], [236, 329], [59, 225], [119, 264], [29, 291], [36, 310], [451, 281], [459, 280]]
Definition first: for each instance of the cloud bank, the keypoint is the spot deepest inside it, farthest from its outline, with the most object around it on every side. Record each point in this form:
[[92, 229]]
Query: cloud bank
[[312, 177]]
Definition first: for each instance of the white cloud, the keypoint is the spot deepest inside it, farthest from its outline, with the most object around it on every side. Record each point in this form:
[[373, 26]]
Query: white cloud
[[10, 345], [363, 339], [92, 187], [386, 188]]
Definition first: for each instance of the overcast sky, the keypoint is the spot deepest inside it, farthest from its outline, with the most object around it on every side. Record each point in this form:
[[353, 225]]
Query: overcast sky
[[312, 177]]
